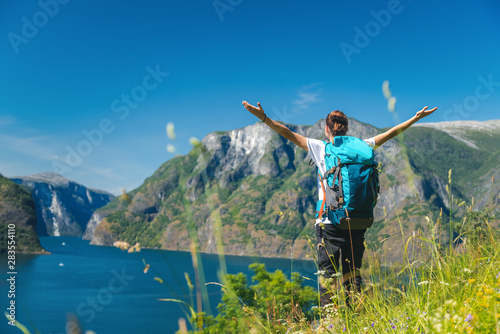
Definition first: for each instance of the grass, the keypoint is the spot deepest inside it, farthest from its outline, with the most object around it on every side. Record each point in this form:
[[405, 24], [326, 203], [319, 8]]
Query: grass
[[450, 291], [447, 289]]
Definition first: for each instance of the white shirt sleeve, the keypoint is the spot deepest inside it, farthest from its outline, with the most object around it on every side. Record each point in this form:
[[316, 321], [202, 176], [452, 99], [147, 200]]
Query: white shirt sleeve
[[371, 142], [315, 147]]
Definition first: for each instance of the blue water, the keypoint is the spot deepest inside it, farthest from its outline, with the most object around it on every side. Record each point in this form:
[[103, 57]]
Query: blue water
[[108, 290]]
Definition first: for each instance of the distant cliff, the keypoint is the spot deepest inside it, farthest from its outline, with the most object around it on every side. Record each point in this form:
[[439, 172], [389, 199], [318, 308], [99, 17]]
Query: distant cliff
[[17, 207], [258, 191], [63, 207]]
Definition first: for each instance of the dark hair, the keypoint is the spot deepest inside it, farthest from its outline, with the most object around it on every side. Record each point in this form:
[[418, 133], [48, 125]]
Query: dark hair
[[337, 122]]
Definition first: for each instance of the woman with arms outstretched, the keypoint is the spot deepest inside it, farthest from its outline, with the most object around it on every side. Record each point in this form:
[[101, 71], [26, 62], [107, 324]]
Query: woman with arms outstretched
[[331, 239]]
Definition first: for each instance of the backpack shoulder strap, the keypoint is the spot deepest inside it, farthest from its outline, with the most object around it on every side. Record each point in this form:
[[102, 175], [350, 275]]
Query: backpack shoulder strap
[[341, 188], [320, 214]]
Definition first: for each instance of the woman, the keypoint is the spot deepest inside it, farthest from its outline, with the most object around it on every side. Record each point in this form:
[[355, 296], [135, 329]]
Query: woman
[[331, 240]]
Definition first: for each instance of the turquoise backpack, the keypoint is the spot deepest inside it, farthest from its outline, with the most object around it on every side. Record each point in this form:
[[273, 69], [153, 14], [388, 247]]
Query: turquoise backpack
[[353, 183]]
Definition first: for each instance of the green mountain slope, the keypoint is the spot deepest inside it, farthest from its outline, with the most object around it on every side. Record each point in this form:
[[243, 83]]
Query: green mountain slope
[[17, 207], [470, 149]]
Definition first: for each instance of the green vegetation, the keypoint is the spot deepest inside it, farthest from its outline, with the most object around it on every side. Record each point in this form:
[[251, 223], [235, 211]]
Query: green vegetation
[[449, 290], [26, 240], [268, 301], [11, 193], [434, 152], [135, 229], [17, 207]]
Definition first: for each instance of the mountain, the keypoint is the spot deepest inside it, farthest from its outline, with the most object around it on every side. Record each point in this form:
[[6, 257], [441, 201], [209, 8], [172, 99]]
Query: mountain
[[250, 192], [63, 207], [470, 148], [18, 208]]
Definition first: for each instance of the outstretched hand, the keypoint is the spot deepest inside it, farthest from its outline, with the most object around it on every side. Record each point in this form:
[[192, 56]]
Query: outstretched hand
[[258, 112], [424, 112]]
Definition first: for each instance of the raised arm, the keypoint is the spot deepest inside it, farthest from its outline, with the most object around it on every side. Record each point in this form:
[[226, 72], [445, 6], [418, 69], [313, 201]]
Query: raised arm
[[280, 129], [393, 132]]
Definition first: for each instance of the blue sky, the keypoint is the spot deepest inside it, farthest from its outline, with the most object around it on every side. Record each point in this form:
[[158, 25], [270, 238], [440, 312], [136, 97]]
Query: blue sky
[[119, 71]]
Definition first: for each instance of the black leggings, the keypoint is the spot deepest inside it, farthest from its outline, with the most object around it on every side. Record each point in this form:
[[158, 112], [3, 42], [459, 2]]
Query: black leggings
[[331, 241]]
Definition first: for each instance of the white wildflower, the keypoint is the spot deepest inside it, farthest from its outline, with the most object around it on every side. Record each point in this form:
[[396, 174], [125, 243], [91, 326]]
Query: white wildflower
[[170, 130], [391, 104], [386, 90], [170, 148], [194, 141]]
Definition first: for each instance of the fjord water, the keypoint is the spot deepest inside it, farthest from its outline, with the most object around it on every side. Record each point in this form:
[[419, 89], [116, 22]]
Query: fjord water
[[108, 290]]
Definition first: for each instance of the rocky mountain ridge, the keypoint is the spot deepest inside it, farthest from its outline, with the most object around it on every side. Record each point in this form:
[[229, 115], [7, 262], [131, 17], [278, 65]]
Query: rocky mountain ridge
[[63, 207], [250, 192], [459, 129]]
